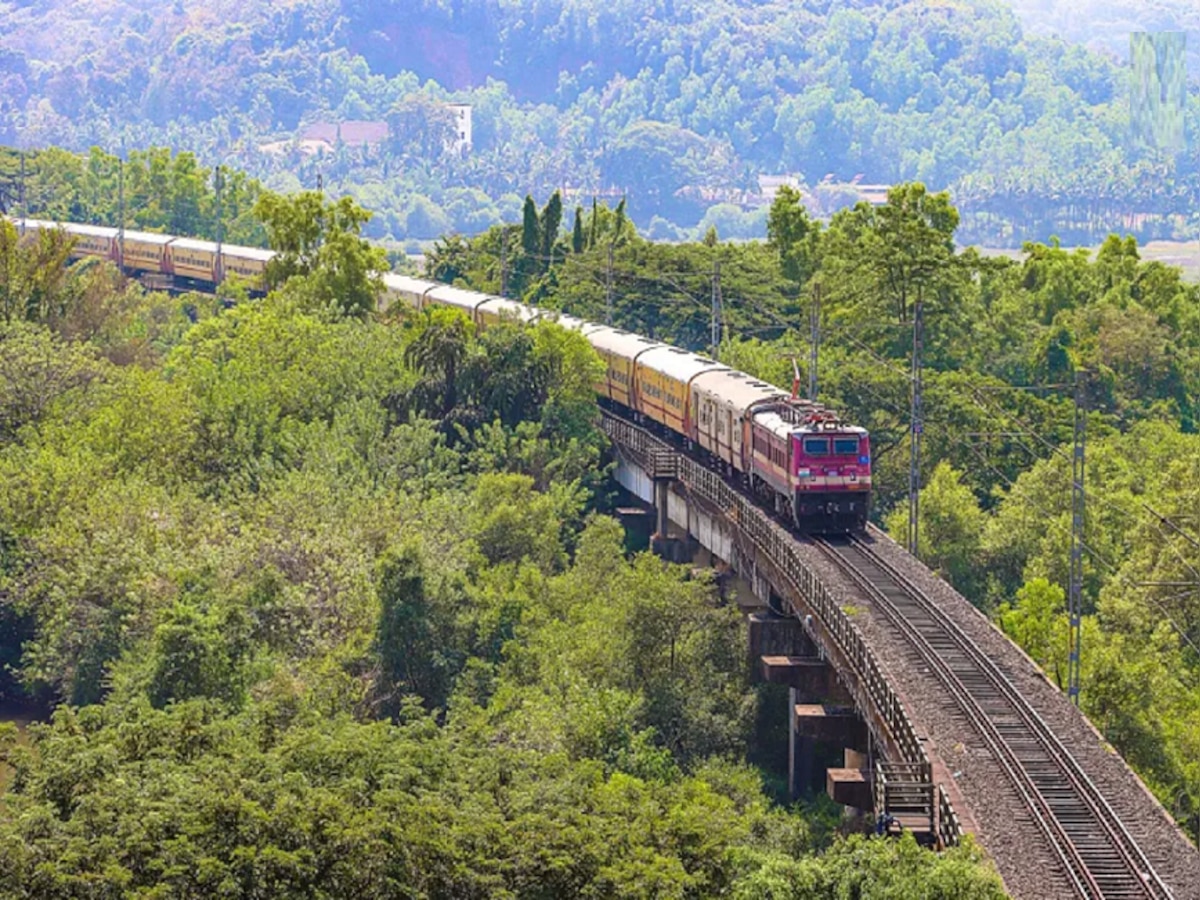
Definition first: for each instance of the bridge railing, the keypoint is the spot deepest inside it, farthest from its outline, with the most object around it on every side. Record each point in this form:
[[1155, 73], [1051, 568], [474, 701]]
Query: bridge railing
[[949, 828], [776, 550]]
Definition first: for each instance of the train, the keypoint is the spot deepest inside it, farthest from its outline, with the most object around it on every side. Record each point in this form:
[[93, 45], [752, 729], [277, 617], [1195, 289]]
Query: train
[[811, 467], [189, 262]]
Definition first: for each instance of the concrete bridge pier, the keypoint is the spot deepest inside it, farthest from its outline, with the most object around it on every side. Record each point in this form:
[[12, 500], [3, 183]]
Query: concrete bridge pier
[[676, 548], [822, 717]]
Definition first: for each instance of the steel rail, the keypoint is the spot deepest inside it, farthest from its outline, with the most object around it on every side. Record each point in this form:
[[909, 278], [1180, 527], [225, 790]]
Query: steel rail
[[1099, 856]]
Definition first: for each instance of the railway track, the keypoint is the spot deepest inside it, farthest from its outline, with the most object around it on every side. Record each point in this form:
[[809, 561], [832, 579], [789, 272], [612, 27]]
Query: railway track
[[1096, 852]]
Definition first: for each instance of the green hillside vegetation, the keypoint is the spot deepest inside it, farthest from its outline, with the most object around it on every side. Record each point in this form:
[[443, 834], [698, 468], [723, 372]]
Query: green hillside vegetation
[[1004, 341], [328, 609], [677, 104]]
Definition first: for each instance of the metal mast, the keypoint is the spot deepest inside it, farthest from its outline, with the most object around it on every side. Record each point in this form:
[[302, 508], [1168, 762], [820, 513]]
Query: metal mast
[[21, 195], [120, 212], [914, 461], [504, 261], [608, 286], [814, 343], [716, 309], [1075, 589], [217, 185]]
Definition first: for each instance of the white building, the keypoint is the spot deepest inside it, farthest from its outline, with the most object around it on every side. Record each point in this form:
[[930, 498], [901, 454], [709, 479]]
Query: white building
[[462, 138]]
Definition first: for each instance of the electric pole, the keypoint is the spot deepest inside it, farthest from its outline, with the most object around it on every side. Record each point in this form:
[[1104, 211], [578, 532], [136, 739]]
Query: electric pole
[[914, 461], [608, 286], [814, 341], [21, 195], [1075, 587], [120, 212], [217, 185], [716, 310], [504, 261]]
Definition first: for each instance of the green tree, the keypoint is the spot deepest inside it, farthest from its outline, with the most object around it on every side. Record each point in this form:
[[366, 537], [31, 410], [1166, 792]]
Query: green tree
[[793, 235], [33, 276], [551, 222], [1037, 620], [438, 351], [320, 243], [197, 654], [577, 237], [531, 228], [408, 641], [951, 525]]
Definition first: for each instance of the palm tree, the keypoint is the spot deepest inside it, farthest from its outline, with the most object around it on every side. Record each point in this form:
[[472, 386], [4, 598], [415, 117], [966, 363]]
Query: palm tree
[[438, 353]]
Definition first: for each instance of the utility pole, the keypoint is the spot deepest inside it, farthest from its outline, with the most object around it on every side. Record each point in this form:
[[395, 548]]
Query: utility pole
[[21, 195], [716, 309], [814, 342], [1075, 588], [121, 211], [914, 461], [217, 185], [504, 261], [608, 286]]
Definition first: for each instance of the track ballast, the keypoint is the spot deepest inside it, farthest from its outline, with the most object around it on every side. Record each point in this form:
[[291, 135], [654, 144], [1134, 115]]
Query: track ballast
[[1097, 854]]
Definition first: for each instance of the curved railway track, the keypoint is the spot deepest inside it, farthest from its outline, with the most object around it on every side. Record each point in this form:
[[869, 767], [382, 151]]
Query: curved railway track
[[1097, 854]]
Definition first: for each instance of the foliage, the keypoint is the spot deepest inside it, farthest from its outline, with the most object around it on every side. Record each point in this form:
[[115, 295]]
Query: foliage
[[950, 527], [156, 189], [319, 243]]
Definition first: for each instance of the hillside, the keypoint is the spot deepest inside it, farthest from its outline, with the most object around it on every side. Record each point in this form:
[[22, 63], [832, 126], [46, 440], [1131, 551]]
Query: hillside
[[679, 104], [1107, 24]]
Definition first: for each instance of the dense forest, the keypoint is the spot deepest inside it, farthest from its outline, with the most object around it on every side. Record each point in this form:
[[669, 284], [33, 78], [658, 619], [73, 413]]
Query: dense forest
[[677, 104], [326, 605]]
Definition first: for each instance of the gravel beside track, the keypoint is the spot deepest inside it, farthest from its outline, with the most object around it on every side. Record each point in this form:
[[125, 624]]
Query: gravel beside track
[[993, 809]]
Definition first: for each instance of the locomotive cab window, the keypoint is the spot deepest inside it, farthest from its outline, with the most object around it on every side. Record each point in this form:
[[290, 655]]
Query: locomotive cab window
[[845, 446], [817, 446]]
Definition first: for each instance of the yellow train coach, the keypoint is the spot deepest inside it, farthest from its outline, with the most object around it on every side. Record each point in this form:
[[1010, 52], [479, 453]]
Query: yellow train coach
[[247, 263], [144, 251], [193, 259], [664, 377], [619, 351]]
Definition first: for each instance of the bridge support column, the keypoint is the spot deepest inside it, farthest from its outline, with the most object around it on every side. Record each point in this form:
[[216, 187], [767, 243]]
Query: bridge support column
[[672, 549], [662, 494], [775, 635], [801, 752], [812, 678]]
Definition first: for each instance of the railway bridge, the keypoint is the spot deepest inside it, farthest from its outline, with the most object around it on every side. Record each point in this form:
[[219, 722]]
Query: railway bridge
[[945, 727]]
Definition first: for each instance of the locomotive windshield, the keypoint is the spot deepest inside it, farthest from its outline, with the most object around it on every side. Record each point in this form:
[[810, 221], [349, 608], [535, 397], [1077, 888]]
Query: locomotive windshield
[[845, 446], [816, 446]]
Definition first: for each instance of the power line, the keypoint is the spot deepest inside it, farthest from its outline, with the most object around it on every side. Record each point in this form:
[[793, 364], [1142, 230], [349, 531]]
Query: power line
[[1078, 497]]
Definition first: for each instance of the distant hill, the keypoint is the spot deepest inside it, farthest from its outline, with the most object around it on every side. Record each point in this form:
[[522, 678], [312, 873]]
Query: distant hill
[[680, 104], [1106, 24]]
